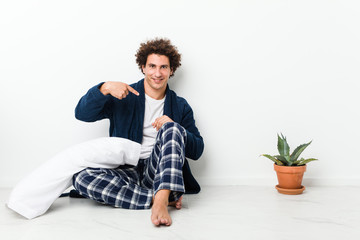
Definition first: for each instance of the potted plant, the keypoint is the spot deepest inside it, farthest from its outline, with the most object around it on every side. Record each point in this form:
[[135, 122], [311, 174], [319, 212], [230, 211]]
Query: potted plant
[[289, 168]]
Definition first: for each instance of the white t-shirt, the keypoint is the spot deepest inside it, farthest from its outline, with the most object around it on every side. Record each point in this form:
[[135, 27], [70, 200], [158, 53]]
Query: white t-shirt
[[153, 109]]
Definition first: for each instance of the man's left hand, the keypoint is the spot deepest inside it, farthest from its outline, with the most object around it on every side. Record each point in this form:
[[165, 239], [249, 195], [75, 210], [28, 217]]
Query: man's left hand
[[160, 121]]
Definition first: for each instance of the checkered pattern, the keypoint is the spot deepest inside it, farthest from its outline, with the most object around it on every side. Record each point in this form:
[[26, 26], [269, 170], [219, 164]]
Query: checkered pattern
[[133, 187]]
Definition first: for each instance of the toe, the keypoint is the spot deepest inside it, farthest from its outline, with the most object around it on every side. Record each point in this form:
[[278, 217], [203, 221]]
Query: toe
[[166, 222], [155, 221]]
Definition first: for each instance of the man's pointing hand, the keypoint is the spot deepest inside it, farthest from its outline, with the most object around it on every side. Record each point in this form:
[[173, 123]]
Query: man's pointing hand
[[117, 89]]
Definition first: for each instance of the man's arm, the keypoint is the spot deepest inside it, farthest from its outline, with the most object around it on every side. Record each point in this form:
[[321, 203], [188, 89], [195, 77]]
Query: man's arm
[[194, 142], [93, 105], [96, 103]]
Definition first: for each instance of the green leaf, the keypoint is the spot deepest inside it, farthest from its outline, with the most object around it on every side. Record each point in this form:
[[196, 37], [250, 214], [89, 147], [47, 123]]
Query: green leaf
[[305, 161], [296, 153], [282, 159], [283, 147], [296, 163], [273, 159]]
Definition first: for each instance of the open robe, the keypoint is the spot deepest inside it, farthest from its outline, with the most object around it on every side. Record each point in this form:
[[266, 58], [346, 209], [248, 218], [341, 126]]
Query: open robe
[[34, 194]]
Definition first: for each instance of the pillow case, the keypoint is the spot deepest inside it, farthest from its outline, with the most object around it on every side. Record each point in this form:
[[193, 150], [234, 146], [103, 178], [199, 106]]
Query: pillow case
[[34, 194]]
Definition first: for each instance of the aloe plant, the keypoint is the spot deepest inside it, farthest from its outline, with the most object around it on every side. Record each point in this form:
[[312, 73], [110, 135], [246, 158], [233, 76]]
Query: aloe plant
[[287, 159]]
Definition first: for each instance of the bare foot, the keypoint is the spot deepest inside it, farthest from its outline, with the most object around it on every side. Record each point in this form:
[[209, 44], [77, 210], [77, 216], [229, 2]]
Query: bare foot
[[177, 204], [159, 211]]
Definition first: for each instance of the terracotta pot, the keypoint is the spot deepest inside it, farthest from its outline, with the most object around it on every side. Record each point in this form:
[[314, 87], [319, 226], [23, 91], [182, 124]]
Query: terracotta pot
[[290, 178]]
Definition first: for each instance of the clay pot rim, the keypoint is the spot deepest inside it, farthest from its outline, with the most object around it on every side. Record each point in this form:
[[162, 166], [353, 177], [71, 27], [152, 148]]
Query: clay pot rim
[[293, 169]]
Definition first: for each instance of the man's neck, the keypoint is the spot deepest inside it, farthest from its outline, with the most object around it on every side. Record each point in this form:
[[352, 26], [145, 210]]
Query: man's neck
[[153, 93]]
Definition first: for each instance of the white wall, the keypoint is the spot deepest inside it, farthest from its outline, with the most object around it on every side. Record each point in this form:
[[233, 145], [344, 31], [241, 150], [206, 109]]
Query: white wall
[[250, 70]]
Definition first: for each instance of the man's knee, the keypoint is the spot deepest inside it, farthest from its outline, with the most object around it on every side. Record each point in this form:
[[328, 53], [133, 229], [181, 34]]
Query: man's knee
[[170, 125], [174, 126]]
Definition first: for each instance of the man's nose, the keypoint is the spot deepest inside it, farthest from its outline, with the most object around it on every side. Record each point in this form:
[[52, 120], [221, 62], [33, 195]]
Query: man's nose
[[158, 73]]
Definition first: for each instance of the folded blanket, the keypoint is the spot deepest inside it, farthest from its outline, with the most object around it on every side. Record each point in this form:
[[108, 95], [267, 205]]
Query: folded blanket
[[33, 196]]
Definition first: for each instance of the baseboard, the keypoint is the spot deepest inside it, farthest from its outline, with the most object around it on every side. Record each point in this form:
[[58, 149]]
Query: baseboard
[[310, 182]]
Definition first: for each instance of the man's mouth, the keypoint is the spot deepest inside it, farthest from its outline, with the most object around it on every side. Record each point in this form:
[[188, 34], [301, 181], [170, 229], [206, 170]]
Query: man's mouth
[[157, 81]]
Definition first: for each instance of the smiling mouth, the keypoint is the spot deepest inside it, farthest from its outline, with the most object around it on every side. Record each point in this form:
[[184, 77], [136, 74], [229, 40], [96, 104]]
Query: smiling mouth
[[157, 80]]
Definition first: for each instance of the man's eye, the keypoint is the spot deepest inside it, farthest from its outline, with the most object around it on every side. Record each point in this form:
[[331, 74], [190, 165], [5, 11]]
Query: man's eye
[[164, 67]]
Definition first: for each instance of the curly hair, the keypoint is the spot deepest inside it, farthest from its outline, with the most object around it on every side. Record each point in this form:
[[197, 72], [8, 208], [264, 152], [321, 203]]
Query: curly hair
[[159, 46]]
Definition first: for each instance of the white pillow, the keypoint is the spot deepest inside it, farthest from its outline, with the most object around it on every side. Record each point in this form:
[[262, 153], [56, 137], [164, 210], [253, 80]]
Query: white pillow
[[33, 196]]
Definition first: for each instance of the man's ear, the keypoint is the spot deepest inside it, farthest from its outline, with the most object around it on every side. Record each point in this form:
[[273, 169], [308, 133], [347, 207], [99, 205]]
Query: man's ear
[[142, 68], [171, 71]]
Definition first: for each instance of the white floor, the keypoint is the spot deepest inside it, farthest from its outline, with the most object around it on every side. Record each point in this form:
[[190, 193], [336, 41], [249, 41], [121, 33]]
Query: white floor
[[233, 212]]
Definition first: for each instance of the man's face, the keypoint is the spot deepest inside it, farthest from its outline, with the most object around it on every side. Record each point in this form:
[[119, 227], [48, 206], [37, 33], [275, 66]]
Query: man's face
[[157, 72]]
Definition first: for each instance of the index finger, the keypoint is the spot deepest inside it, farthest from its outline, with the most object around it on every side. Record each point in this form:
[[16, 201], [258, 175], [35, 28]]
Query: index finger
[[133, 90]]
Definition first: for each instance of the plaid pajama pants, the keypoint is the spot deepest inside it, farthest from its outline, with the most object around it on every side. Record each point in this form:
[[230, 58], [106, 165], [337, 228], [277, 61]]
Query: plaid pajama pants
[[133, 187]]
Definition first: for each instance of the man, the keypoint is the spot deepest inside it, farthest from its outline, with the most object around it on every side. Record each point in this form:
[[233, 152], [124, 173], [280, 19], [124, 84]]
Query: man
[[149, 113]]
